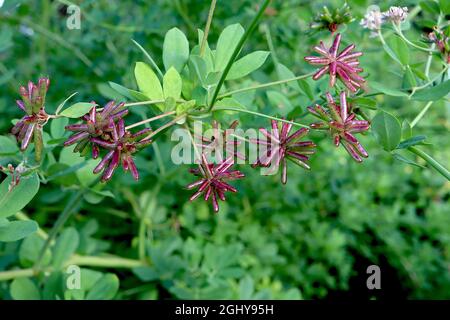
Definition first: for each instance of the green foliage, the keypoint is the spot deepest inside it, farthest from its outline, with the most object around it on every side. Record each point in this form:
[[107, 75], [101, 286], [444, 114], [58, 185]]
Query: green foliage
[[387, 130], [77, 110], [15, 199], [312, 238]]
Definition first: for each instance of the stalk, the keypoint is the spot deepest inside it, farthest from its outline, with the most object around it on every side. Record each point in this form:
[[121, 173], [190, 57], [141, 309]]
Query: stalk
[[236, 52], [262, 115], [421, 114], [432, 162], [265, 85], [207, 27], [163, 115]]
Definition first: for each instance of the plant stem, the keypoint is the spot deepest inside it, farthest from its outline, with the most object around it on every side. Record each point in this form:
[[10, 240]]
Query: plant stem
[[67, 212], [207, 27], [400, 33], [167, 125], [265, 85], [109, 261], [414, 89], [163, 115], [14, 274], [421, 114], [141, 103], [236, 52], [104, 262], [436, 165], [261, 115], [197, 153]]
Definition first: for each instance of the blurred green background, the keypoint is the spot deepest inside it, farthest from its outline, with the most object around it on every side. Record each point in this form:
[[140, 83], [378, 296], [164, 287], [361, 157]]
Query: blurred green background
[[313, 238]]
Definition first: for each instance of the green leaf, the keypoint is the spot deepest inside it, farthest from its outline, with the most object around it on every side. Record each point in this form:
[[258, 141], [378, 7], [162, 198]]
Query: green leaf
[[8, 146], [433, 93], [120, 89], [57, 127], [77, 110], [24, 289], [15, 200], [409, 79], [31, 248], [17, 230], [401, 50], [247, 64], [228, 40], [430, 6], [198, 65], [387, 130], [105, 288], [406, 130], [175, 50], [387, 90], [445, 6], [364, 102], [62, 104], [411, 142], [401, 158], [246, 288], [172, 84], [66, 245], [148, 82]]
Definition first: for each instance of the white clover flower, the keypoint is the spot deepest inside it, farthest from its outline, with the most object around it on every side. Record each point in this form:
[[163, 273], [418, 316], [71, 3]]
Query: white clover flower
[[373, 19], [396, 14]]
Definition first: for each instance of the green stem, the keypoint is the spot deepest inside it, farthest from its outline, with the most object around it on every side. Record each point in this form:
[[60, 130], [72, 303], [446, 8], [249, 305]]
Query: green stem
[[436, 165], [65, 215], [100, 262], [261, 115], [400, 33], [167, 125], [14, 274], [142, 103], [425, 85], [163, 115], [265, 85], [421, 114], [236, 52], [207, 27], [104, 262]]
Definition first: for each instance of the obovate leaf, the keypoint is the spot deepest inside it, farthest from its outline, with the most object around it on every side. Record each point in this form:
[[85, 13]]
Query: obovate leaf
[[247, 64], [387, 90], [105, 288], [175, 50], [17, 230], [24, 289], [411, 142], [433, 93], [66, 245], [228, 40], [8, 146], [172, 84], [148, 82], [387, 130], [401, 50], [15, 200], [77, 110]]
